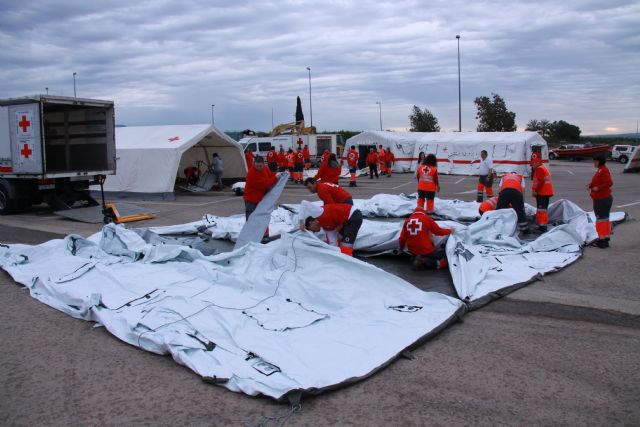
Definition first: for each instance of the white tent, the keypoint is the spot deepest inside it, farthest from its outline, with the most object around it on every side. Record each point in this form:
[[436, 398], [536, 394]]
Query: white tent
[[149, 158], [457, 153]]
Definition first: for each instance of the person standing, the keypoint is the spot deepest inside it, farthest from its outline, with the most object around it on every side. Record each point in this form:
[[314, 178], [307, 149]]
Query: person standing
[[298, 168], [218, 170], [389, 160], [329, 193], [511, 196], [485, 180], [258, 182], [382, 156], [352, 161], [416, 236], [282, 159], [248, 157], [307, 157], [600, 191], [428, 184], [372, 162], [542, 190], [272, 159], [291, 162], [330, 170]]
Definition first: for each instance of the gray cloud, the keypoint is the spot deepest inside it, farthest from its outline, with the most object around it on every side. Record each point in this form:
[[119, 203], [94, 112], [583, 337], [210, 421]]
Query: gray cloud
[[167, 62]]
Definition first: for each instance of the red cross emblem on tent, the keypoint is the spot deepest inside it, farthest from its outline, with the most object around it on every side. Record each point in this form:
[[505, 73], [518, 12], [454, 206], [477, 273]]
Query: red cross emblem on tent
[[414, 226], [26, 151], [24, 124], [175, 138]]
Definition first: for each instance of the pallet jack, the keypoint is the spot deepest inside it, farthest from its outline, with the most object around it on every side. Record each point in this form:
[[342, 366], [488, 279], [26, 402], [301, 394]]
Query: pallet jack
[[110, 212]]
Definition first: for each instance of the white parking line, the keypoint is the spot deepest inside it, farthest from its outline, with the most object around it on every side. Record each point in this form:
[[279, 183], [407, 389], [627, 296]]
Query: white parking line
[[467, 192], [628, 204], [571, 172], [195, 205], [402, 185], [460, 180]]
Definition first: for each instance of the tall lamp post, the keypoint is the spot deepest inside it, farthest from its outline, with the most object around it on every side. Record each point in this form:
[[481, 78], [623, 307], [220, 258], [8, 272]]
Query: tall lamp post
[[459, 91], [380, 108], [213, 119], [74, 86], [47, 89], [310, 108]]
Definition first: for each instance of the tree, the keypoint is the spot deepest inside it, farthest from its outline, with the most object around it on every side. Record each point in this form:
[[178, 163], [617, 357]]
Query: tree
[[423, 121], [541, 126], [493, 115], [564, 131]]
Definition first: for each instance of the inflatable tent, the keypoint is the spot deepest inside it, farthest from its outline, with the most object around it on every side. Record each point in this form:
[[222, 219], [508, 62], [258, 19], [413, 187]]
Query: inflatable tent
[[149, 158], [458, 153]]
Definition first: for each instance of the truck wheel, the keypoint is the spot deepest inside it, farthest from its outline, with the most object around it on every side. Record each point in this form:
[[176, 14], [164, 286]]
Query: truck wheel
[[623, 159], [552, 155], [7, 205]]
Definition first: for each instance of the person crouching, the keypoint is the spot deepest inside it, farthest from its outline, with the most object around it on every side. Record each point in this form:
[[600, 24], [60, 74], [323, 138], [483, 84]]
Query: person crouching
[[344, 219], [415, 236]]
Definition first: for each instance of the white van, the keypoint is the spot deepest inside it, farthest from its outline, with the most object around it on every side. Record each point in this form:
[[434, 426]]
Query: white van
[[622, 153], [317, 144]]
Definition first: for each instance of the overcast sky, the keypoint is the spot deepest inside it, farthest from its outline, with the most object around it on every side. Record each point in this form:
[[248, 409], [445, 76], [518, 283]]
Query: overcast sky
[[166, 62]]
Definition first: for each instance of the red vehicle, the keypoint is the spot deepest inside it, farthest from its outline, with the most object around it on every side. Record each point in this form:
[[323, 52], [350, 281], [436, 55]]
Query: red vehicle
[[578, 151]]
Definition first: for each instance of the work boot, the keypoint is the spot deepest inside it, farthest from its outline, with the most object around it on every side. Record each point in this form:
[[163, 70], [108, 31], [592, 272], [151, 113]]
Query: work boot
[[351, 184], [602, 243], [542, 228], [355, 184]]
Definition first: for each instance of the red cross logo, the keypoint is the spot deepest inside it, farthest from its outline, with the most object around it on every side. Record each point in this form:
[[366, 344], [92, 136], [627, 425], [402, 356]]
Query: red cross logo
[[299, 141], [414, 226], [175, 138], [26, 151], [24, 124]]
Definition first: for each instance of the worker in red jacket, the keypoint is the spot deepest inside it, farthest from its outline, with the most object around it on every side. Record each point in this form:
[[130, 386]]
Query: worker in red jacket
[[282, 159], [345, 219], [291, 162], [428, 184], [272, 159], [330, 170], [259, 181], [307, 157], [600, 189], [248, 157], [488, 205], [329, 193], [298, 167], [415, 235], [511, 196], [542, 190], [372, 162], [389, 160], [352, 161], [382, 158]]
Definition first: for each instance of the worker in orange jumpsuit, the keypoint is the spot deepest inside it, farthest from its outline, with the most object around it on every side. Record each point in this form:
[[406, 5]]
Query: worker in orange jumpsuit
[[307, 157], [600, 189], [372, 162], [282, 160], [352, 161], [329, 170], [298, 167], [415, 235], [345, 219], [329, 193], [259, 181], [248, 157], [382, 158], [485, 178], [488, 205], [542, 190], [428, 184], [511, 195], [389, 160], [272, 159], [291, 162]]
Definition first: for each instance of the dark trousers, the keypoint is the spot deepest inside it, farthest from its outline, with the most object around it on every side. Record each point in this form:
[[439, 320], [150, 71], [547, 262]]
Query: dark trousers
[[249, 207], [351, 227], [348, 201], [430, 261], [602, 207], [273, 167], [373, 169], [511, 196], [542, 202]]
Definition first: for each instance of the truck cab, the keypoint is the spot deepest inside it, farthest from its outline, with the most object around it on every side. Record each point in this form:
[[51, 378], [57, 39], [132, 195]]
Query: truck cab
[[622, 153]]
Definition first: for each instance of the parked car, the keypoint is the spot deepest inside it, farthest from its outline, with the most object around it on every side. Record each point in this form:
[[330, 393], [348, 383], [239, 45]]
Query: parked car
[[622, 153]]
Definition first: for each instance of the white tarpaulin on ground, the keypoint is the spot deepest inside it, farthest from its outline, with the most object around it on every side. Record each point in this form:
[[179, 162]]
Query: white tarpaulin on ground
[[457, 153], [292, 315], [149, 158]]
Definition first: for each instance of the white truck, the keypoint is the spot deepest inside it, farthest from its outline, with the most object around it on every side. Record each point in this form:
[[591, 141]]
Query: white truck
[[622, 153], [317, 144], [52, 148]]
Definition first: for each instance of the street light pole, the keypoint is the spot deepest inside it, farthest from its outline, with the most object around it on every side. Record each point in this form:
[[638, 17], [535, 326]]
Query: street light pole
[[310, 108], [74, 86], [380, 105], [47, 89], [213, 119], [459, 91]]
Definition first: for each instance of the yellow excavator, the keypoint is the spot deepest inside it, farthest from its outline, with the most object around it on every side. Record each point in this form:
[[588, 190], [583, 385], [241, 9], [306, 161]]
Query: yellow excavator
[[295, 128]]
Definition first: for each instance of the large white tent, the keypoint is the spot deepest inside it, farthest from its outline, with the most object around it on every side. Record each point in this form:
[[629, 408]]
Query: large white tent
[[457, 153], [149, 158]]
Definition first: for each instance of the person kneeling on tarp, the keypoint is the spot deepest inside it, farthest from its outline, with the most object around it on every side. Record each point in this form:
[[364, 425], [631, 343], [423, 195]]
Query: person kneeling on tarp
[[488, 205], [416, 236], [511, 189], [342, 218]]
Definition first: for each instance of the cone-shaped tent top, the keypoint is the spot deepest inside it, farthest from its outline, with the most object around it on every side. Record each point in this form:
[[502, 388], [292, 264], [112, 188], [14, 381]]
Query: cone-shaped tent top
[[299, 114], [149, 158]]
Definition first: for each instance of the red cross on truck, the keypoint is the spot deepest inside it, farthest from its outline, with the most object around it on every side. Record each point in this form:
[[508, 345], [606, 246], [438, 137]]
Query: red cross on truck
[[24, 124]]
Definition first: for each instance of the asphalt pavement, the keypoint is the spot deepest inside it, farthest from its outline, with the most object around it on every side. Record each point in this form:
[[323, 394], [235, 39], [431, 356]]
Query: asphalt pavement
[[559, 351]]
